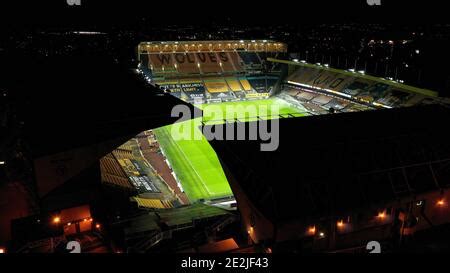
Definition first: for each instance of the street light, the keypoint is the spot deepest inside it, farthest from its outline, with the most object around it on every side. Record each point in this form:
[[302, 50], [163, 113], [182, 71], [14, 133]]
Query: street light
[[381, 215], [56, 220], [312, 230]]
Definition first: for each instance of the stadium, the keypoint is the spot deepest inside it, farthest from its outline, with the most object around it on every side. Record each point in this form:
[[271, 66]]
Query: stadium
[[359, 157], [218, 74], [248, 73]]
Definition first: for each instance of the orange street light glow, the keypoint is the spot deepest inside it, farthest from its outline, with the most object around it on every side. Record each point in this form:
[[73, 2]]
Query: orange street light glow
[[250, 230], [381, 215], [340, 224], [56, 220], [441, 202], [312, 230]]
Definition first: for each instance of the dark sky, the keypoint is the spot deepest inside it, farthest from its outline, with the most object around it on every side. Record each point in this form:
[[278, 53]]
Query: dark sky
[[122, 13]]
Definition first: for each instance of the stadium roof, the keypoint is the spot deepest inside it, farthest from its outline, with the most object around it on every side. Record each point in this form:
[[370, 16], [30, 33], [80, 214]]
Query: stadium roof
[[75, 109], [409, 88], [173, 217], [71, 107], [217, 45], [330, 165]]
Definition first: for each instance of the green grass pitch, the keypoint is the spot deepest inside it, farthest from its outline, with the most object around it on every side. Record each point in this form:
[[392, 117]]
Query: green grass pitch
[[194, 161]]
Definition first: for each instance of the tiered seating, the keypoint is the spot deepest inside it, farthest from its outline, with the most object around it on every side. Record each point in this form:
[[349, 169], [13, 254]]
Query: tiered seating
[[329, 80], [322, 99], [306, 96], [145, 65], [262, 84], [193, 88], [216, 85], [303, 75], [186, 63], [258, 84], [126, 147], [110, 165], [196, 63], [250, 59], [374, 91], [366, 89], [152, 203], [162, 63], [218, 88], [395, 98], [322, 79], [293, 92], [356, 108], [116, 181], [221, 72], [122, 153], [112, 173], [355, 88], [233, 62], [210, 62], [337, 104], [234, 84], [245, 84], [173, 86]]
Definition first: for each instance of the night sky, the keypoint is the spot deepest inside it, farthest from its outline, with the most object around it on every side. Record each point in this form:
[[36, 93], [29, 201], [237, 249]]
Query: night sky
[[120, 13]]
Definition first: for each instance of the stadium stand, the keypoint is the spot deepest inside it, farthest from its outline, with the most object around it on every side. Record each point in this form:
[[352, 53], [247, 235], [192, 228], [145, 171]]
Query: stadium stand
[[222, 68], [233, 63], [210, 62], [123, 153], [152, 203], [250, 59], [337, 104], [216, 85], [162, 63], [145, 65], [113, 174], [306, 96], [262, 84], [355, 88], [371, 169], [218, 88], [193, 63], [373, 92], [245, 84], [358, 87], [234, 84], [293, 92], [186, 63], [193, 89], [322, 99]]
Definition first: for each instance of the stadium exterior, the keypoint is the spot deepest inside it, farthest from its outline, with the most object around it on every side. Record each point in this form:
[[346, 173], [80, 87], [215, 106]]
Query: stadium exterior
[[360, 156], [270, 213]]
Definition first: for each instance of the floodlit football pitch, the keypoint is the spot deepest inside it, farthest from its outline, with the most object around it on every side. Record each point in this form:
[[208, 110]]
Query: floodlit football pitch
[[194, 161]]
